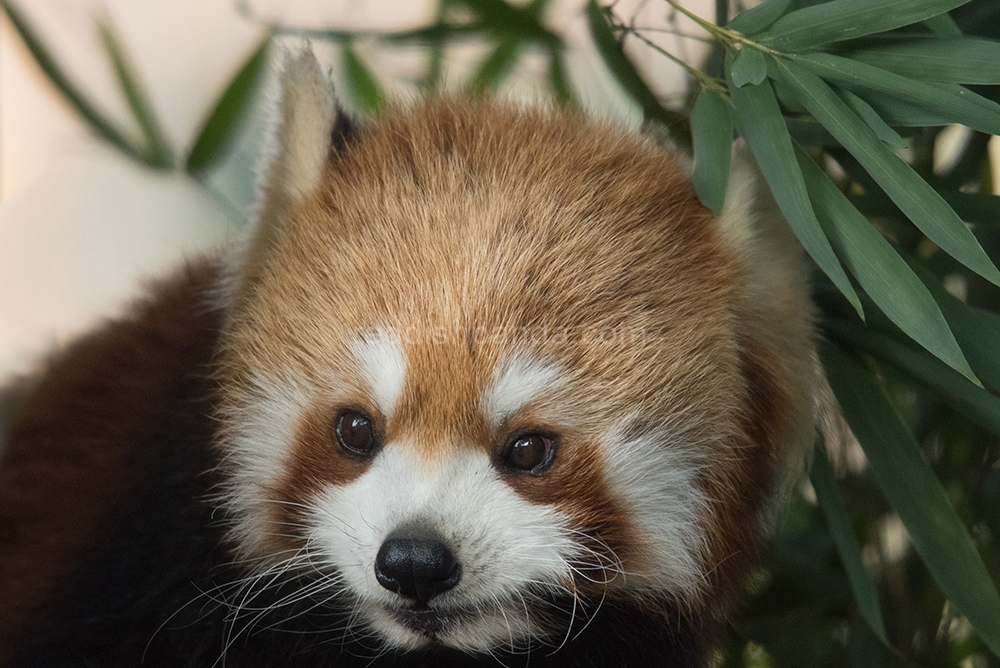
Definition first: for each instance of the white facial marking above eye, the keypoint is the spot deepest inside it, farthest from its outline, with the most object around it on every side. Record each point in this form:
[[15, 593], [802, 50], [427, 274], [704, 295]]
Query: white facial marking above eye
[[383, 364], [518, 381]]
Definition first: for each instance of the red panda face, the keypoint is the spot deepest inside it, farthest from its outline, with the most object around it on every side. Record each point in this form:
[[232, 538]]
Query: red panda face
[[485, 369]]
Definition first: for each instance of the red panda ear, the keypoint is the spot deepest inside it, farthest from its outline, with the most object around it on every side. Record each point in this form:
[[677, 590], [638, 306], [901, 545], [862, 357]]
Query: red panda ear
[[308, 127], [307, 130]]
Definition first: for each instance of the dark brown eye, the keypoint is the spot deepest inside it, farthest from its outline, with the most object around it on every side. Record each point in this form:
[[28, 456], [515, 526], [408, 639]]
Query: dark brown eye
[[356, 433], [530, 452]]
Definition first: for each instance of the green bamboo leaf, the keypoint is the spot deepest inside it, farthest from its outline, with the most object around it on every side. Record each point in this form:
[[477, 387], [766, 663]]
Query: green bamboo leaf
[[523, 22], [967, 97], [559, 80], [789, 101], [712, 136], [749, 68], [949, 104], [97, 122], [916, 495], [808, 132], [361, 82], [847, 19], [872, 119], [434, 34], [839, 522], [921, 203], [435, 54], [628, 78], [978, 208], [495, 68], [763, 127], [964, 60], [157, 145], [499, 64], [220, 129], [758, 18], [970, 400], [976, 329], [901, 114], [943, 25], [880, 270]]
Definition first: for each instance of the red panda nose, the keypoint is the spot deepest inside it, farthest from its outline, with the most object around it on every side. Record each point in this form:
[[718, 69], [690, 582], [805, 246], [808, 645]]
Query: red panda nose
[[416, 564]]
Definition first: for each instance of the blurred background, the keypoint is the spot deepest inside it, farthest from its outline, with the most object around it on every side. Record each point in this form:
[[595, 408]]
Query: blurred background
[[81, 225]]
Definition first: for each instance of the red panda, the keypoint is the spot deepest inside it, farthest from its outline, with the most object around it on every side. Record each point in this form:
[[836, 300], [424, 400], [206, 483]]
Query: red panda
[[485, 386]]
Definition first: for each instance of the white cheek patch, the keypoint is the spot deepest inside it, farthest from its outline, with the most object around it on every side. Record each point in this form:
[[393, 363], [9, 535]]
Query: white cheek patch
[[383, 364], [510, 550], [521, 380], [655, 474], [256, 439]]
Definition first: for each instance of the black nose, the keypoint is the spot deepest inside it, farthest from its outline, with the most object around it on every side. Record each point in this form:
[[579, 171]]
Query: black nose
[[415, 563]]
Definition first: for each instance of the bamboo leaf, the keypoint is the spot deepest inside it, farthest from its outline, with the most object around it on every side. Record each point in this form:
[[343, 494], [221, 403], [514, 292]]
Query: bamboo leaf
[[763, 127], [758, 18], [967, 60], [839, 522], [916, 495], [523, 22], [434, 34], [978, 208], [220, 128], [364, 86], [157, 147], [629, 78], [559, 80], [970, 400], [921, 203], [880, 270], [934, 101], [435, 54], [98, 123], [810, 133], [499, 64], [943, 25], [871, 118], [902, 114], [847, 19], [749, 68], [495, 68], [712, 137], [976, 329]]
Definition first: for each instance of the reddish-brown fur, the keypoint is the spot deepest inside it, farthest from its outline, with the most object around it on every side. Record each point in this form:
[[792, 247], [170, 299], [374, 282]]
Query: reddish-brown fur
[[68, 459]]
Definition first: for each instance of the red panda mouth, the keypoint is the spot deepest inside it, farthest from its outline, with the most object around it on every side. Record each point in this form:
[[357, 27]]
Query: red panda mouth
[[426, 621]]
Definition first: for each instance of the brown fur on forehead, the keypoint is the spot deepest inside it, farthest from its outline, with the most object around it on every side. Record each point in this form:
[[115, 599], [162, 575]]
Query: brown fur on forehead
[[457, 217]]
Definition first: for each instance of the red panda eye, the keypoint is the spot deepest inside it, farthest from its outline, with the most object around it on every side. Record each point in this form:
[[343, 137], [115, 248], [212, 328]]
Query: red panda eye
[[356, 433], [529, 452]]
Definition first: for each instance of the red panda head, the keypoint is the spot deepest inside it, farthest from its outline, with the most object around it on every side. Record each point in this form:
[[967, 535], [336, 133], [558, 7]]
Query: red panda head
[[479, 359]]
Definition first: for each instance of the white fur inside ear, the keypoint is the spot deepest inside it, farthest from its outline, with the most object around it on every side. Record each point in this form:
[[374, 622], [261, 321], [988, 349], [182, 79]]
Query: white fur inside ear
[[300, 144]]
